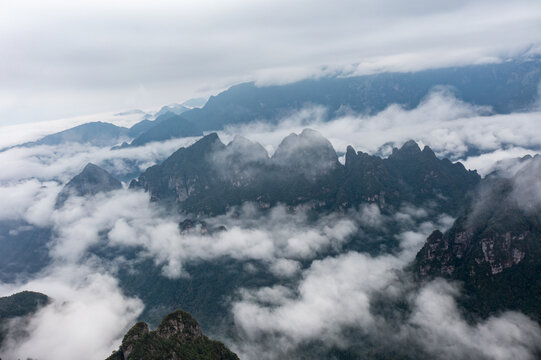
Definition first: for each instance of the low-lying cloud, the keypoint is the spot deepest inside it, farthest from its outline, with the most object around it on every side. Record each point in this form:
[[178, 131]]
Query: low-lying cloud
[[87, 316], [326, 291], [451, 127], [335, 296]]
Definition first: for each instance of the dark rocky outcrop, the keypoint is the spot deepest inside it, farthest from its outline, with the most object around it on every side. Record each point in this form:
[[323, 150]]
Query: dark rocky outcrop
[[210, 177], [177, 337], [494, 248]]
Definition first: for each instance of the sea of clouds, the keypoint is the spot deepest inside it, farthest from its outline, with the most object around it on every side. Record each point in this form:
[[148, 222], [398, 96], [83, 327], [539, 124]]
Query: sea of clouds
[[329, 291]]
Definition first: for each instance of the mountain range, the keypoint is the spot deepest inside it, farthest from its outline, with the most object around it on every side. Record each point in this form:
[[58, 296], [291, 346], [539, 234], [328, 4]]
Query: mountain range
[[502, 87], [210, 177]]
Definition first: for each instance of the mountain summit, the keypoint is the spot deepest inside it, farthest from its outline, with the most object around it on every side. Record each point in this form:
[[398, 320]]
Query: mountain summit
[[177, 337], [92, 180]]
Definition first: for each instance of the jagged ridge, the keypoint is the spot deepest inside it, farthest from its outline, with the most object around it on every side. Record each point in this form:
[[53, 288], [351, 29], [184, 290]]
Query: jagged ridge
[[210, 177]]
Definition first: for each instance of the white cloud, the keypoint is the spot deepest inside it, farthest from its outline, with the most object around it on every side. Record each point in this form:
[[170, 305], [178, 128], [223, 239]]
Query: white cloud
[[29, 200], [436, 322], [62, 162], [129, 220], [88, 315], [98, 56], [449, 126]]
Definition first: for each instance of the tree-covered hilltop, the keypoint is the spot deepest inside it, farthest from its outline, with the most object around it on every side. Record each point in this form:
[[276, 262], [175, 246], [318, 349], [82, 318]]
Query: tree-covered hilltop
[[177, 337], [20, 304]]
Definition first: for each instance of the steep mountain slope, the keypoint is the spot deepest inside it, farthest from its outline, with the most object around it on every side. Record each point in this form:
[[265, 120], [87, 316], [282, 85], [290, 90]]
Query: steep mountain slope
[[177, 337], [210, 177], [167, 126], [90, 181], [494, 248]]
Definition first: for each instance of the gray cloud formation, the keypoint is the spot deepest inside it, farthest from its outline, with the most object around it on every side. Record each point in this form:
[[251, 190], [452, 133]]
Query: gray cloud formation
[[62, 162], [66, 58], [436, 322], [449, 126]]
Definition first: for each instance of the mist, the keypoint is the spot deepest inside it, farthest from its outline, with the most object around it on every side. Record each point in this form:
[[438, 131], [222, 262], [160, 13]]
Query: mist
[[328, 289]]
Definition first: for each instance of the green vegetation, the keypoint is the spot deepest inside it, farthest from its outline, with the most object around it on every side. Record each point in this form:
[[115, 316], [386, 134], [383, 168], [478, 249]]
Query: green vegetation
[[19, 304], [177, 337]]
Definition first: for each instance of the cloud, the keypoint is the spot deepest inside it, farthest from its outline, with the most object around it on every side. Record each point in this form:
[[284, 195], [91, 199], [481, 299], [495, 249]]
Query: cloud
[[30, 200], [497, 160], [62, 162], [333, 304], [99, 56], [449, 126], [325, 291], [332, 295], [128, 219], [88, 315], [436, 322]]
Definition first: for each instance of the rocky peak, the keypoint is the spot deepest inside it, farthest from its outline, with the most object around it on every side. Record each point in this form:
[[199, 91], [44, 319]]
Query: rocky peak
[[244, 150], [135, 334], [427, 151], [179, 325], [207, 143], [309, 153], [409, 149], [177, 337], [92, 180], [494, 243], [351, 156]]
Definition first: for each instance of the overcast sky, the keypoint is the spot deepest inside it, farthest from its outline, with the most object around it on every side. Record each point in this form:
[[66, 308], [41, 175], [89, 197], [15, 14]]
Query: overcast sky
[[66, 58]]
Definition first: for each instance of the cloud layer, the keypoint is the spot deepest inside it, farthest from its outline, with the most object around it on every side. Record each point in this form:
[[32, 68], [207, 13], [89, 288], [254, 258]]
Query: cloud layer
[[452, 128], [324, 291], [95, 56]]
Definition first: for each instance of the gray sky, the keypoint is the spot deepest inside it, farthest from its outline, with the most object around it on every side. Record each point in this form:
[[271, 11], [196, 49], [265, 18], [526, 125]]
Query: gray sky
[[65, 58]]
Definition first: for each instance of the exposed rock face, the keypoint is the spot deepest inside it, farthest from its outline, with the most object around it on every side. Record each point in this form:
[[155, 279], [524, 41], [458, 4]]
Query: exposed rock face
[[445, 255], [495, 247], [177, 337], [179, 325], [210, 177], [90, 181]]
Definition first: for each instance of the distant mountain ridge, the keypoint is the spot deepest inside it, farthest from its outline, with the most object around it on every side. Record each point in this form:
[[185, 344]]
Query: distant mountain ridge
[[504, 87]]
